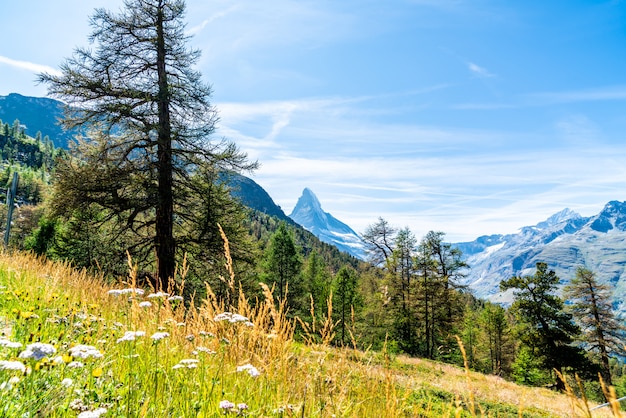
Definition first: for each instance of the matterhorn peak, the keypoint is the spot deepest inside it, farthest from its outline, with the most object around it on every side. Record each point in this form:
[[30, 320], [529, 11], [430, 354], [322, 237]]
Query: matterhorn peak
[[309, 214], [308, 201]]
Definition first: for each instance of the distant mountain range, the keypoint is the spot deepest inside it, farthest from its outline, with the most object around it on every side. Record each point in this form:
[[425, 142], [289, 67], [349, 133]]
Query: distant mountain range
[[308, 213], [565, 241]]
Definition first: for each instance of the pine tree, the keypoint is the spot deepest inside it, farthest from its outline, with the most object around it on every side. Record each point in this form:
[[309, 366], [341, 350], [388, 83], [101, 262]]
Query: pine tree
[[347, 300], [282, 268], [544, 326]]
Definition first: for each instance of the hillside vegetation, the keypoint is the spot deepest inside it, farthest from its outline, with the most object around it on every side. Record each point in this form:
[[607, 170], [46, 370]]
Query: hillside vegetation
[[73, 346]]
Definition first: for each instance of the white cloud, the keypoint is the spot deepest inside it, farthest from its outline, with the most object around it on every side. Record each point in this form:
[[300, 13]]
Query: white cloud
[[479, 71], [28, 66]]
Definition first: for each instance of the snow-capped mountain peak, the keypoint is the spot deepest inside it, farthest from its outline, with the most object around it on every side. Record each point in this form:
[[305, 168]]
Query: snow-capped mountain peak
[[308, 213]]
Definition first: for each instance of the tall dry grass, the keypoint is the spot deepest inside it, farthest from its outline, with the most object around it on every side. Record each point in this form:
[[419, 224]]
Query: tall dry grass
[[216, 358]]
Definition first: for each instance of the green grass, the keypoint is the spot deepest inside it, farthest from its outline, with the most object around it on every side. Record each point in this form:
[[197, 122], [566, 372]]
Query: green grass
[[193, 368]]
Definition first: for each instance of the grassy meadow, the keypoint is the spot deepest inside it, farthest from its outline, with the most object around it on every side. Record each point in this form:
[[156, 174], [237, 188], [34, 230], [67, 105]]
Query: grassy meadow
[[72, 346]]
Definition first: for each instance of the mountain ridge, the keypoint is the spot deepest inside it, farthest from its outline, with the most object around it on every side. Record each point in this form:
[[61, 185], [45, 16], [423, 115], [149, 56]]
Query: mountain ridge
[[565, 241], [37, 114]]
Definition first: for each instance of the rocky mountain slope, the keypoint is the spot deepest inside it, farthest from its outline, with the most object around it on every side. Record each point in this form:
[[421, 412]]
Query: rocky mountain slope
[[38, 114], [308, 213], [564, 241]]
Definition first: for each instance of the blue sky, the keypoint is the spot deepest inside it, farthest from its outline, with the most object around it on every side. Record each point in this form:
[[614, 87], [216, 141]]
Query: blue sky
[[467, 117]]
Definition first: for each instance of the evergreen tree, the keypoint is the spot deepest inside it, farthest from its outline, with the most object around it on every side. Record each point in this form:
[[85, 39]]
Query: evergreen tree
[[544, 326], [495, 326], [138, 89], [317, 279], [591, 307], [347, 300], [282, 268]]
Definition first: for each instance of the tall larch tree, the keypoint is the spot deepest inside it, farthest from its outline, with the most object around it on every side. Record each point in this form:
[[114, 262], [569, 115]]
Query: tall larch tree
[[592, 310], [148, 119]]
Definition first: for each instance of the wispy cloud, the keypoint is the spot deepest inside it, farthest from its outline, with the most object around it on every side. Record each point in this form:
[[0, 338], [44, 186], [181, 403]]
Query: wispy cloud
[[217, 15], [479, 71], [28, 66], [617, 92]]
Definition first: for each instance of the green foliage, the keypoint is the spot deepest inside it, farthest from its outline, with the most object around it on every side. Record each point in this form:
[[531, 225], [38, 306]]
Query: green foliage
[[281, 270], [591, 307], [528, 368], [543, 325], [347, 302], [42, 238]]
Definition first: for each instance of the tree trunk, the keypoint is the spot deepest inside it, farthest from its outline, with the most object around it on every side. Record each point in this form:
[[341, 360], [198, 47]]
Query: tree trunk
[[165, 245]]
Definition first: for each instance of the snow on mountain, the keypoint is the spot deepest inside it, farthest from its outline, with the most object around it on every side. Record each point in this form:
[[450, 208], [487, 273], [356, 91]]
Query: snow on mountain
[[308, 213], [565, 241]]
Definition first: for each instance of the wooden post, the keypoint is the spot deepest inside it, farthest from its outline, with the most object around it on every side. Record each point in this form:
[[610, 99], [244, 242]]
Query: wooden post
[[11, 192]]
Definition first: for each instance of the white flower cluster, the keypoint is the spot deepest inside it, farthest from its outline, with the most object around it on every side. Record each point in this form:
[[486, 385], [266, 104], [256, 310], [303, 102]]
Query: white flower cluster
[[38, 351], [9, 344], [93, 414], [233, 318], [201, 349], [187, 363], [228, 406], [158, 295], [118, 292], [12, 365], [160, 335], [252, 371], [85, 351], [131, 336]]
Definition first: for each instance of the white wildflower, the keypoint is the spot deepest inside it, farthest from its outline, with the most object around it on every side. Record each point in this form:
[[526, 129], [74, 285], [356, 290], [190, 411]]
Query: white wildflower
[[9, 344], [230, 317], [181, 324], [85, 351], [38, 351], [226, 405], [187, 363], [92, 414], [205, 350], [145, 304], [75, 365], [224, 316], [67, 382], [175, 298], [12, 365], [252, 371], [242, 407], [206, 334], [159, 335], [131, 336], [157, 295]]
